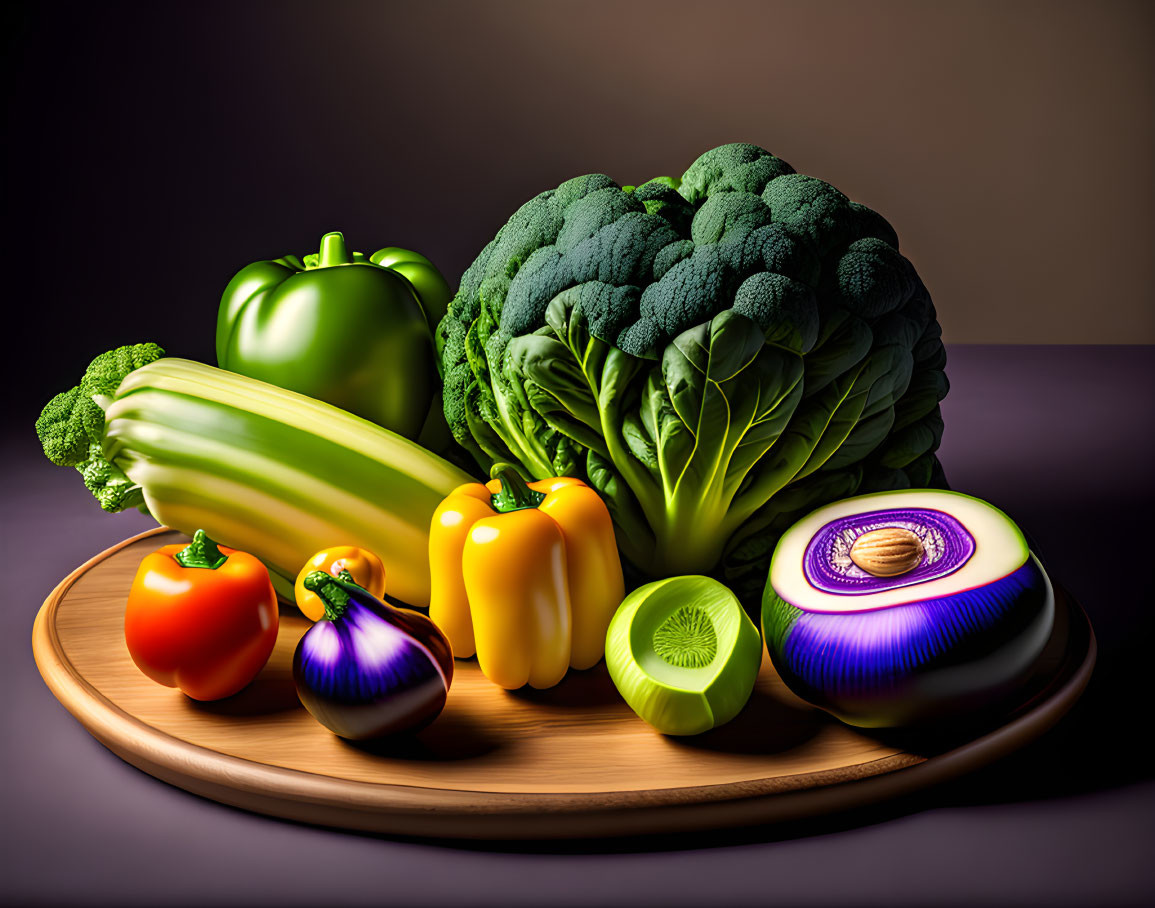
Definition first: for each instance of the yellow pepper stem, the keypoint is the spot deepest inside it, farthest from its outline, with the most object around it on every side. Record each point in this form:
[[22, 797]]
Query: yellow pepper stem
[[514, 494]]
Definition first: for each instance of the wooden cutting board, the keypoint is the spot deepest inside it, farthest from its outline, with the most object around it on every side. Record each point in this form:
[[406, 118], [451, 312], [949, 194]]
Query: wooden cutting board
[[572, 761]]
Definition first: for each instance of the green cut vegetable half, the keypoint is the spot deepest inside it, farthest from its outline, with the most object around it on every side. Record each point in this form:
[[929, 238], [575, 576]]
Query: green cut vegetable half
[[683, 654]]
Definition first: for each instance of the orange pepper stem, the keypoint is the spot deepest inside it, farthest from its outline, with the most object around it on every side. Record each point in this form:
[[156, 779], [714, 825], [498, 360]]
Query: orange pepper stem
[[202, 552], [515, 494], [330, 592]]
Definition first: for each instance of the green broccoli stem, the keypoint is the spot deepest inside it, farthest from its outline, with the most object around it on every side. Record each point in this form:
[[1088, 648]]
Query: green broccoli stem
[[687, 535], [691, 542], [202, 552], [683, 528], [685, 532], [685, 514], [696, 514]]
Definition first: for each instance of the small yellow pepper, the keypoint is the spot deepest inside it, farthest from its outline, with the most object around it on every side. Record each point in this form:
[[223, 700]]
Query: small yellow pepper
[[367, 570], [528, 577]]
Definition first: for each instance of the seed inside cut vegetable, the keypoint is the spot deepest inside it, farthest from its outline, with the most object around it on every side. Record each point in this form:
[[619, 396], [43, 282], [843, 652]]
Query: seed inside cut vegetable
[[687, 639], [887, 552]]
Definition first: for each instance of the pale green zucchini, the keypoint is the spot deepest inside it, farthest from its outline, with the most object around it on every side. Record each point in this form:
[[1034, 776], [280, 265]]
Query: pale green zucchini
[[275, 473]]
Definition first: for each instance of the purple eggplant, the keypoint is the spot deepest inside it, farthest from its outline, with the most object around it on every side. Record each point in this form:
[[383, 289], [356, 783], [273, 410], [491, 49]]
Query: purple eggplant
[[366, 669]]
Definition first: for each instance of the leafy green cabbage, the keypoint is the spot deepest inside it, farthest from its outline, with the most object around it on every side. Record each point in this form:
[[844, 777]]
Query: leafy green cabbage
[[716, 355]]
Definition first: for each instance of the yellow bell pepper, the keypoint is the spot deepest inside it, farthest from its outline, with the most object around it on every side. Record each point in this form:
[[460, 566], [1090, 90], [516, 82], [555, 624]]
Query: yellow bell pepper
[[528, 577]]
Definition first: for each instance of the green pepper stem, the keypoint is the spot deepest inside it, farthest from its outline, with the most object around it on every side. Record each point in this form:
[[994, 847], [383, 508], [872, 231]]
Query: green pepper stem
[[514, 494], [334, 596], [333, 251], [202, 552]]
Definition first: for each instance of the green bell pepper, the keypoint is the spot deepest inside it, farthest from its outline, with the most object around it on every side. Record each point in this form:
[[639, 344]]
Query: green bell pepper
[[351, 330]]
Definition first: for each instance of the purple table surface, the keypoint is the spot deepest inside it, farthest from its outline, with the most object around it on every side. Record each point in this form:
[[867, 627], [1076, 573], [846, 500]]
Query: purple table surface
[[1059, 437]]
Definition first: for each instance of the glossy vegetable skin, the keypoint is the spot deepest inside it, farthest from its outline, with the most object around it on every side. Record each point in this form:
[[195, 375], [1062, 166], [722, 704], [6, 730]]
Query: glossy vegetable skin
[[528, 577], [348, 329], [201, 618], [366, 669], [364, 566]]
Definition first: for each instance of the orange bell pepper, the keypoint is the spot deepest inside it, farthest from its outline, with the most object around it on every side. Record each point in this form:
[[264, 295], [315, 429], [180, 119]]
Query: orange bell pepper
[[528, 577], [201, 617]]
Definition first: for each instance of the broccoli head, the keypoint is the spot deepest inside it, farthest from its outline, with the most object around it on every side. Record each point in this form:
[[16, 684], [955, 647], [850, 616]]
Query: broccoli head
[[712, 353]]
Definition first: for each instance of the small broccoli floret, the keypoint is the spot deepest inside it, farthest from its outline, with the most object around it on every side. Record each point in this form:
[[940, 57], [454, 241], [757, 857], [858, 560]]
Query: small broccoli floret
[[737, 166], [74, 419], [105, 373], [873, 279], [784, 309], [811, 208], [728, 215], [661, 197], [60, 428], [71, 425], [688, 294], [108, 483]]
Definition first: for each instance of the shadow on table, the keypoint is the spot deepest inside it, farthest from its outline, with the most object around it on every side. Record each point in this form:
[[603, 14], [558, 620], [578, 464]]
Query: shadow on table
[[765, 726], [577, 690], [1093, 748], [1085, 752], [454, 736]]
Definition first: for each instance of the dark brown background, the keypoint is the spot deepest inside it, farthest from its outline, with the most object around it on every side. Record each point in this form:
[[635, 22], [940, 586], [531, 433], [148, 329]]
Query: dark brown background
[[154, 149]]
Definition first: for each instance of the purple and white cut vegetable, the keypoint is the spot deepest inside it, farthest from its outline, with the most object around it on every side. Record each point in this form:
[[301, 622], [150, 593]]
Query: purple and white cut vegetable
[[906, 607], [366, 669]]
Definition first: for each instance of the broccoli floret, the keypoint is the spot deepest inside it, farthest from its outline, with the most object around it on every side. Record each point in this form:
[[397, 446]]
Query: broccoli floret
[[811, 208], [74, 419], [661, 197], [71, 425], [670, 255], [873, 279], [677, 251], [608, 238], [61, 430], [728, 215], [688, 294], [783, 308], [737, 166], [108, 483]]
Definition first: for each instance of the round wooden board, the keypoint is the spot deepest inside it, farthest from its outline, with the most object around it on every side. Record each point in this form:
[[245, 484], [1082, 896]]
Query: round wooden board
[[572, 761]]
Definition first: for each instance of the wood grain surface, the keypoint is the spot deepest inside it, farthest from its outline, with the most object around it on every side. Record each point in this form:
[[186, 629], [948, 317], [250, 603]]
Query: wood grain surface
[[573, 761]]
